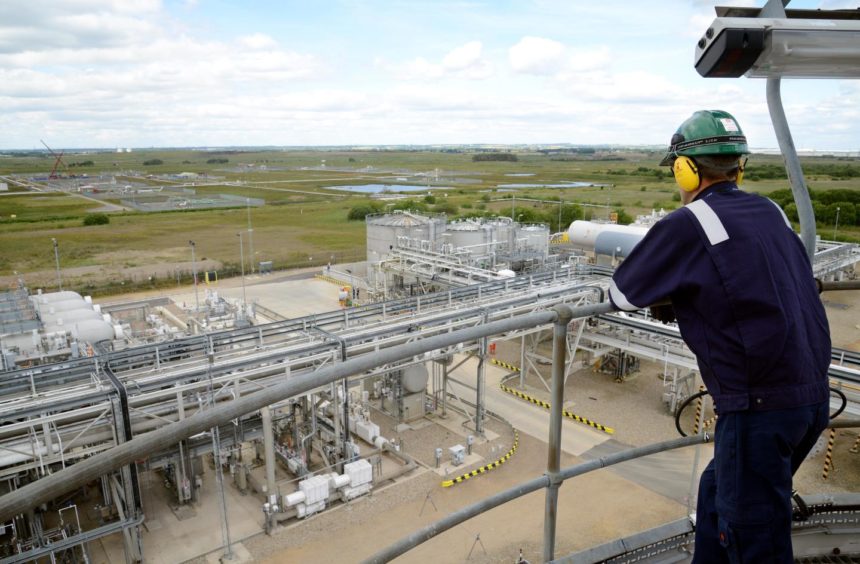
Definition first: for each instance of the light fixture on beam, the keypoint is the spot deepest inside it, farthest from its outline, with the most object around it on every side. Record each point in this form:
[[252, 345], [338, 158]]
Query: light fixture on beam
[[805, 44]]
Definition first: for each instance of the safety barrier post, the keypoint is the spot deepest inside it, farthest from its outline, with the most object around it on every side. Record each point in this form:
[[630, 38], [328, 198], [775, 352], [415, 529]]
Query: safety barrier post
[[828, 455], [553, 465]]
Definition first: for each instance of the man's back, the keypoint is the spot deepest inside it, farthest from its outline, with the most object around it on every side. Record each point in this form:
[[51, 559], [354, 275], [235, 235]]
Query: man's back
[[744, 296]]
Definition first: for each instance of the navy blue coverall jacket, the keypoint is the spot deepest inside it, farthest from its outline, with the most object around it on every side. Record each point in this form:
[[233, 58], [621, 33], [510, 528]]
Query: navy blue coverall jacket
[[748, 307], [744, 296]]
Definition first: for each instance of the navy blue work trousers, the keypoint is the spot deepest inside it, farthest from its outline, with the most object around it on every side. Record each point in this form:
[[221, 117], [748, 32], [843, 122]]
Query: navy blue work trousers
[[744, 508]]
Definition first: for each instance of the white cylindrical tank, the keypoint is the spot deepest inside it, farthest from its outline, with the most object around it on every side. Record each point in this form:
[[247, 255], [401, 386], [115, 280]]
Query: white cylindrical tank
[[605, 238], [58, 296], [507, 273], [63, 305], [501, 231], [92, 331], [384, 230], [466, 234], [536, 239], [294, 498], [69, 317], [414, 378], [337, 481]]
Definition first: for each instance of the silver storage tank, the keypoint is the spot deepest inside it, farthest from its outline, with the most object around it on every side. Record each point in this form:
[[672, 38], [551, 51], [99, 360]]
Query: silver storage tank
[[384, 230], [503, 230], [536, 239], [467, 234]]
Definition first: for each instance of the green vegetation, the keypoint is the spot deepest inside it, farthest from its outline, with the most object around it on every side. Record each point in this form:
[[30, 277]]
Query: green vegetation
[[97, 219], [218, 160], [825, 204], [509, 157], [303, 223]]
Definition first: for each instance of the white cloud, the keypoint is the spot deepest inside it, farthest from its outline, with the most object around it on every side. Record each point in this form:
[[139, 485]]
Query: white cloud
[[463, 57], [547, 57], [537, 55], [465, 61], [258, 41]]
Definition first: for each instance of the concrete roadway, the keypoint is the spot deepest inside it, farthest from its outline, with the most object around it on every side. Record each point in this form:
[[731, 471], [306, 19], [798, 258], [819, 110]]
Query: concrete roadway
[[666, 473]]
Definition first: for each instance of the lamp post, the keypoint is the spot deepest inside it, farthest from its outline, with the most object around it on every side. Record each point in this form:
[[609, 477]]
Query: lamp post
[[242, 262], [57, 260], [836, 225], [559, 215], [194, 269], [250, 235]]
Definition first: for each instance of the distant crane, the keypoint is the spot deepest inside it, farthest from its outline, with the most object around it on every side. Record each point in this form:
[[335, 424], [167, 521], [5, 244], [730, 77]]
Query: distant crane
[[57, 163]]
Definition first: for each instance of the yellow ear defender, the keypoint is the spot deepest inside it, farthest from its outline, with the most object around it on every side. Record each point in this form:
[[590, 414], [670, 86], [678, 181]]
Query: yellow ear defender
[[686, 173], [742, 164]]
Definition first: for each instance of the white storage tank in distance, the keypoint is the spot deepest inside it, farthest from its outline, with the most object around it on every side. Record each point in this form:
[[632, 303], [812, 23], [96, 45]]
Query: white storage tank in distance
[[414, 378]]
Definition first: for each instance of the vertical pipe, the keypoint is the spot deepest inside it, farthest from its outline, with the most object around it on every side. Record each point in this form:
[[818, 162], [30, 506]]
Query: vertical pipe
[[553, 464], [219, 471], [57, 260], [445, 389], [792, 166], [250, 236], [194, 269], [522, 361], [242, 263], [480, 390], [269, 447]]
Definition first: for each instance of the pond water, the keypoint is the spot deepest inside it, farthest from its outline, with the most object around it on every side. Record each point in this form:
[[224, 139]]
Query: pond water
[[520, 174], [379, 188]]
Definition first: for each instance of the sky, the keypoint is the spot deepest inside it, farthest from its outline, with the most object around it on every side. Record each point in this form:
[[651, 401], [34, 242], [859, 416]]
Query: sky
[[192, 73]]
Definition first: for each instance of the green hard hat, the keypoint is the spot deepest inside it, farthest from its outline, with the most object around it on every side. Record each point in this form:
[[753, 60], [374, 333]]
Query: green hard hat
[[707, 132]]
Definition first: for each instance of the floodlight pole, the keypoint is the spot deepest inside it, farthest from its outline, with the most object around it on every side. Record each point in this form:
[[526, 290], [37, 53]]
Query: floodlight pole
[[242, 262], [194, 269], [250, 235], [776, 9], [57, 260], [836, 225]]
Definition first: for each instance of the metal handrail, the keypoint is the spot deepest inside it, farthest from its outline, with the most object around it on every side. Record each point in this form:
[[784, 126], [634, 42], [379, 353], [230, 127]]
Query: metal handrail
[[427, 532], [57, 484]]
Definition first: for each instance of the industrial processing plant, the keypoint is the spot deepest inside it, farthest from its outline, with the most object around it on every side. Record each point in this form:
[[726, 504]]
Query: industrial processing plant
[[82, 378], [311, 351]]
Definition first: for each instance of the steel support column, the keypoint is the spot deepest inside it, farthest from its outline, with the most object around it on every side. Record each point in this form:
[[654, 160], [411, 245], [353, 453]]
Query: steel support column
[[269, 447], [792, 166], [553, 463]]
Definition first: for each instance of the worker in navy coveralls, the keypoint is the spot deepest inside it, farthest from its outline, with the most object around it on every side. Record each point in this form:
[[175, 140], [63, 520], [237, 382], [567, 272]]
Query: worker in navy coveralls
[[741, 287]]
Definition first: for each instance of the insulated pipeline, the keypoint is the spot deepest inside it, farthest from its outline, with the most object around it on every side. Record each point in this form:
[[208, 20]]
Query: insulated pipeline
[[83, 472]]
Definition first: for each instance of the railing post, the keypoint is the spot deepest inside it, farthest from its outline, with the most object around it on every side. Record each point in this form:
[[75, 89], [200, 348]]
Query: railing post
[[553, 464]]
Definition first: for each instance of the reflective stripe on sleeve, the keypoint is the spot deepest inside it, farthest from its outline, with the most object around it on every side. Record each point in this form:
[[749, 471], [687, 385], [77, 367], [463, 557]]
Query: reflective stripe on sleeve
[[782, 213], [619, 299], [709, 221]]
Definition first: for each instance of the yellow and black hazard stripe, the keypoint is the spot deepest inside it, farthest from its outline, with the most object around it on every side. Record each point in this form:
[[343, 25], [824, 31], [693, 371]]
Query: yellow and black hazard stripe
[[504, 364], [485, 468], [589, 422], [828, 455], [526, 397], [547, 405], [325, 278]]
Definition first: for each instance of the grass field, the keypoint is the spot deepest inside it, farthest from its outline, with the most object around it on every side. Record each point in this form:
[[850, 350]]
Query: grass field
[[302, 222]]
